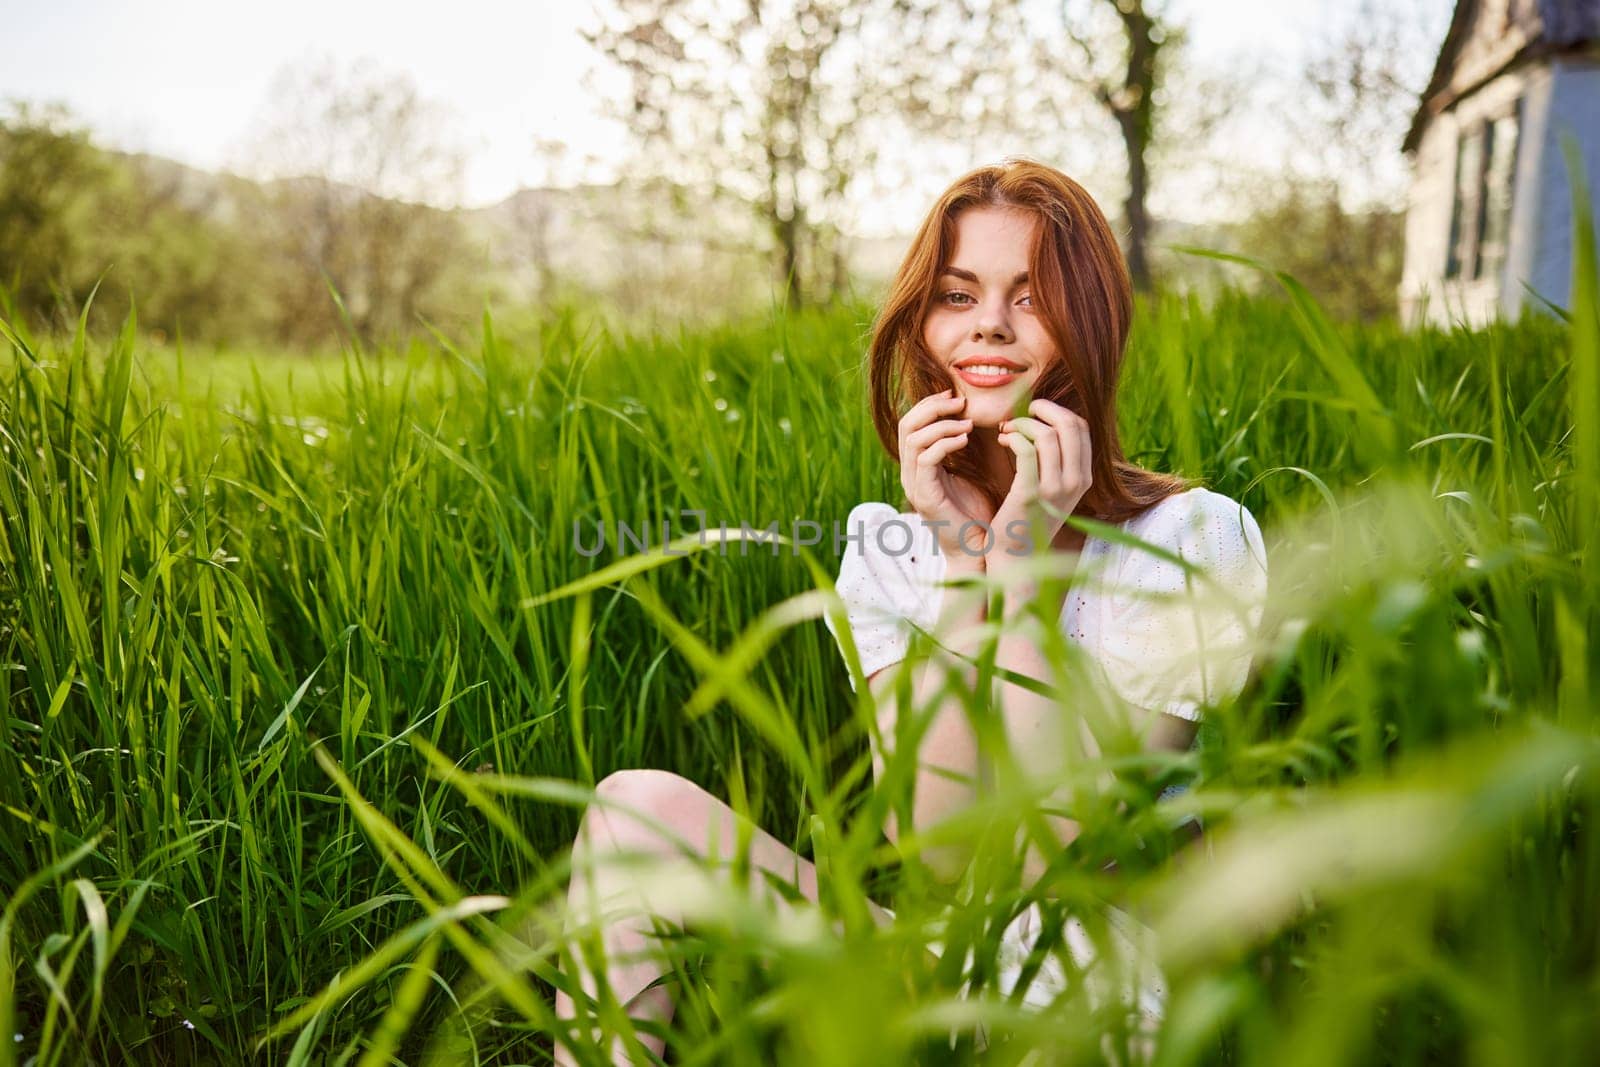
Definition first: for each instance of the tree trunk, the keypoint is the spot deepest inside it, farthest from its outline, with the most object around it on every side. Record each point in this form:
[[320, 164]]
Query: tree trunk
[[787, 232], [841, 267], [787, 228], [1134, 109], [1138, 215]]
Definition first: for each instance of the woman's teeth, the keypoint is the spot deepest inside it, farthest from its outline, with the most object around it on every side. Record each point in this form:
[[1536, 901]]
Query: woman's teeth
[[987, 368]]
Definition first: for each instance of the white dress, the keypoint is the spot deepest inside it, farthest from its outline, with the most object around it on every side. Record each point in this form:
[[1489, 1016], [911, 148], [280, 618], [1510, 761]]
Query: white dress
[[1160, 640]]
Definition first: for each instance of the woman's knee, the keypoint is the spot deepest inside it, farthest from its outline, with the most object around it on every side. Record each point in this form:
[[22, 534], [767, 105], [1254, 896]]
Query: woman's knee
[[644, 801]]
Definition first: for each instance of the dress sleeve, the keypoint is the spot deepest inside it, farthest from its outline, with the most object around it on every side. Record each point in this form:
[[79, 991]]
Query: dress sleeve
[[878, 582], [1174, 642]]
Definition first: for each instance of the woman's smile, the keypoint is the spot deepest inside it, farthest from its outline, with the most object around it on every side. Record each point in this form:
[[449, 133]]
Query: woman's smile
[[986, 372]]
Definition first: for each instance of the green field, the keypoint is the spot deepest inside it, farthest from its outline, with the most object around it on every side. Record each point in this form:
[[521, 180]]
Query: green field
[[294, 741]]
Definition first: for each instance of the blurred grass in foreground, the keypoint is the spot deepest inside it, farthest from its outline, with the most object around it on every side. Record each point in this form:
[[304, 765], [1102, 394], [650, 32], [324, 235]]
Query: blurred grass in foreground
[[301, 702]]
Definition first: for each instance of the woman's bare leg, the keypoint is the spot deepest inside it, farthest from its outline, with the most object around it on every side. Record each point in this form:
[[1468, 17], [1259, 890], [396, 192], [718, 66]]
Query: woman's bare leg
[[710, 828]]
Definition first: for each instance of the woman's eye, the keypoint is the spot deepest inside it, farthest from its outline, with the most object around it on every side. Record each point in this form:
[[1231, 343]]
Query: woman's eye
[[1027, 300], [956, 296]]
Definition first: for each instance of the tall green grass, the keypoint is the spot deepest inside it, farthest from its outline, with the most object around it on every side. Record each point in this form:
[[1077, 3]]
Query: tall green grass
[[305, 689]]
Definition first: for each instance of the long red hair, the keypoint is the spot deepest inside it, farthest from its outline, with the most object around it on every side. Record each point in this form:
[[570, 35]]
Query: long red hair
[[1081, 290]]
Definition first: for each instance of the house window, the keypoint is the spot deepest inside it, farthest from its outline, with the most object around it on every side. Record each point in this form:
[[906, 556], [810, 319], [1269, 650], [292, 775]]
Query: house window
[[1480, 217], [1464, 214], [1499, 178]]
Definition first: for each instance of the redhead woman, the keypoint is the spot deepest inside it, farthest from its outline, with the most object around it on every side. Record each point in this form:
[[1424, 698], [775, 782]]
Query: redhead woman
[[993, 373]]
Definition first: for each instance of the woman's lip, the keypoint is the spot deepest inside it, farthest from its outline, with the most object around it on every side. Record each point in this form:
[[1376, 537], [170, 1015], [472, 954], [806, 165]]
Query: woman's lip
[[987, 381]]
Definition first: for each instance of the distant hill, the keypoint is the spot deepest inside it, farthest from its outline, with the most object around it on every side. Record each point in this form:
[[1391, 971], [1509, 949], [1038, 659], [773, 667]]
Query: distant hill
[[598, 236]]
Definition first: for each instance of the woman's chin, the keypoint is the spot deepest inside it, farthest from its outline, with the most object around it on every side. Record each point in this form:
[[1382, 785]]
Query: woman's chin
[[987, 412]]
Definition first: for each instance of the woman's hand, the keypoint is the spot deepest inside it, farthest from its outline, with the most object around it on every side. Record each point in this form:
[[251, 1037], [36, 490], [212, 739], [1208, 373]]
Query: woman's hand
[[929, 433], [1053, 473]]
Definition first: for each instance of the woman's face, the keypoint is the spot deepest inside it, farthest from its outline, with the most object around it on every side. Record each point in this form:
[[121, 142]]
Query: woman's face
[[983, 320]]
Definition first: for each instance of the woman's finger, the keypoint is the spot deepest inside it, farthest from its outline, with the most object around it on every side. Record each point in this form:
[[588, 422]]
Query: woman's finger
[[1048, 449], [1027, 479], [922, 452], [936, 431], [935, 453], [922, 415], [1073, 434], [924, 411]]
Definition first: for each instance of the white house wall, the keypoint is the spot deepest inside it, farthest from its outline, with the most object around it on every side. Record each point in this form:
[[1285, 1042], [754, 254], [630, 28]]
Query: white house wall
[[1428, 222], [1527, 246], [1425, 295], [1574, 109]]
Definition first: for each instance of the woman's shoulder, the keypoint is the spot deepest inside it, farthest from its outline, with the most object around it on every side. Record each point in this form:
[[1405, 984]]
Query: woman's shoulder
[[886, 556], [871, 512], [887, 539], [867, 522], [1200, 522], [884, 569], [1193, 505]]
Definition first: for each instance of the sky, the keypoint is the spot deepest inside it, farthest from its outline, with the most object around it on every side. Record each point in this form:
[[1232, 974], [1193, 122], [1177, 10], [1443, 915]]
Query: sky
[[189, 80]]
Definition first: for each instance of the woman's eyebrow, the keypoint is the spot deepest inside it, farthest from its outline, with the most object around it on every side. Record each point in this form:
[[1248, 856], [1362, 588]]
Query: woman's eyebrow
[[967, 275]]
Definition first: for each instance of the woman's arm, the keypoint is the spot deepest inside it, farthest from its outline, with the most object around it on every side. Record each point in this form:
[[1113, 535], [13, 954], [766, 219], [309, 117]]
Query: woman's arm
[[1029, 716], [1033, 721], [947, 759]]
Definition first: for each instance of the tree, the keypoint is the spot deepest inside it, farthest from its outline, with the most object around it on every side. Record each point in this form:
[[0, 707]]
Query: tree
[[74, 216], [1334, 214], [782, 106], [362, 163], [1115, 56], [1127, 92], [1080, 81], [1349, 259], [1358, 95], [51, 179]]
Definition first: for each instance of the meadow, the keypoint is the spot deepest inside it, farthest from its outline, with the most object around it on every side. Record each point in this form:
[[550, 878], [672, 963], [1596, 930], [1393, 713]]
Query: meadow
[[305, 688]]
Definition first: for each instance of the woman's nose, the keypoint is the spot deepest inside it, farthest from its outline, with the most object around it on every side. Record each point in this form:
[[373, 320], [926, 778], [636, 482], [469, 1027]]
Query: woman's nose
[[992, 325]]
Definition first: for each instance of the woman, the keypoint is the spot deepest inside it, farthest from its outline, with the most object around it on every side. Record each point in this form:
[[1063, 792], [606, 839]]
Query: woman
[[1007, 323]]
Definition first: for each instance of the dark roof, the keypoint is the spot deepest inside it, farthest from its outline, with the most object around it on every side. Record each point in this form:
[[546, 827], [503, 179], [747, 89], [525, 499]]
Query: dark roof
[[1561, 24]]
